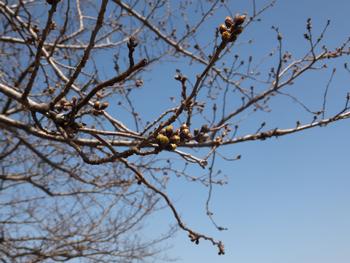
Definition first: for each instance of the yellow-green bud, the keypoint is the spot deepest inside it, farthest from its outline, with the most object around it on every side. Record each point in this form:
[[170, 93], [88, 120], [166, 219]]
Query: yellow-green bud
[[222, 28], [226, 36], [162, 139], [172, 146], [169, 130]]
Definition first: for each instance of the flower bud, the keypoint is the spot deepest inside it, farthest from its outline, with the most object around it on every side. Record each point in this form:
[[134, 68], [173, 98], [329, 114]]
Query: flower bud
[[228, 21], [226, 36], [183, 126], [175, 139], [104, 105], [172, 146], [239, 19], [97, 105], [162, 139], [169, 130], [222, 28]]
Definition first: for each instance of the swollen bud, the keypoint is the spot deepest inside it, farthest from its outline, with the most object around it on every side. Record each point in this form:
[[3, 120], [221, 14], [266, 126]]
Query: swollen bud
[[172, 146], [239, 19], [228, 21], [104, 105], [169, 130], [226, 36], [175, 139], [222, 28], [183, 126], [97, 105], [162, 139]]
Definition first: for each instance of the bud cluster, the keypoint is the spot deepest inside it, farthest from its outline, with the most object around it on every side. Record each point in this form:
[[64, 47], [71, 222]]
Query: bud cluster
[[64, 104], [99, 107], [168, 138], [232, 28], [201, 135]]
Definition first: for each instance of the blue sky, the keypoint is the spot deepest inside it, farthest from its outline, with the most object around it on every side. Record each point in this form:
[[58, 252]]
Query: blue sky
[[288, 199]]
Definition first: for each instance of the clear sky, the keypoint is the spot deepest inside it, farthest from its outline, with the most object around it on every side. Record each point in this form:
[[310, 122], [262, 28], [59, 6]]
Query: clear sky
[[288, 199]]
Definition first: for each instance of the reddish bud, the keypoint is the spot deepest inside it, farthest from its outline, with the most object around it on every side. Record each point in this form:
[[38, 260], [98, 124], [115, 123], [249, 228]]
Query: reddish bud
[[239, 19], [228, 21]]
